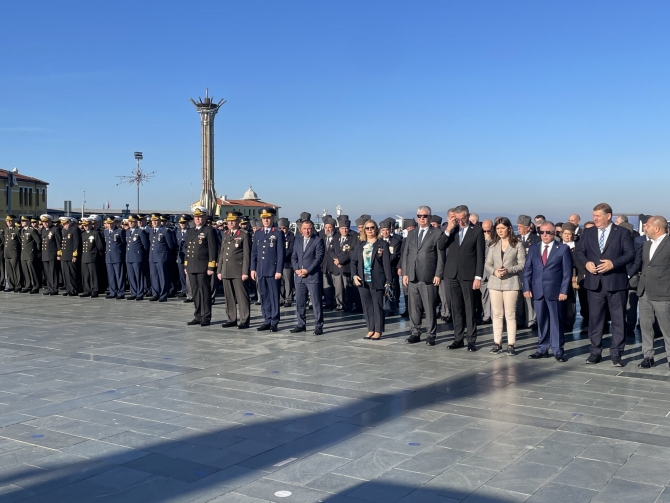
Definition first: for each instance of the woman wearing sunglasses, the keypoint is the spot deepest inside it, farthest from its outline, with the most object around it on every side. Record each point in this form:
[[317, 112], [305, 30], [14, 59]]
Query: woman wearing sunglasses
[[505, 259], [371, 269]]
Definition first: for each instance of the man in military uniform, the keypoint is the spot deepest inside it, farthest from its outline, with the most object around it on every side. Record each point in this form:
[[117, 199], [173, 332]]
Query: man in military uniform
[[288, 281], [12, 254], [180, 236], [267, 266], [200, 264], [395, 244], [92, 245], [115, 247], [137, 248], [51, 241], [68, 254], [340, 258], [31, 243], [2, 260], [233, 271], [161, 241]]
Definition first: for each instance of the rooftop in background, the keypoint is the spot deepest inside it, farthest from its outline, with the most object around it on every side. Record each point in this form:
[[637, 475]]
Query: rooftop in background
[[4, 174]]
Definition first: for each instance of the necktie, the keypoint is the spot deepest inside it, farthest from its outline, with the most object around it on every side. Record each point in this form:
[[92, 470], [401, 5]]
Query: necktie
[[601, 241], [544, 255], [421, 233], [304, 244], [267, 231], [460, 238]]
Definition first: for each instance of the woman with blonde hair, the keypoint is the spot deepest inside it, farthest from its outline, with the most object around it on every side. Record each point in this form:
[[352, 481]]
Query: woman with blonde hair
[[371, 270]]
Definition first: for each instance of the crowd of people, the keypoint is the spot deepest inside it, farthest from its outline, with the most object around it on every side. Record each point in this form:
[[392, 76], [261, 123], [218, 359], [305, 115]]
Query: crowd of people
[[461, 271]]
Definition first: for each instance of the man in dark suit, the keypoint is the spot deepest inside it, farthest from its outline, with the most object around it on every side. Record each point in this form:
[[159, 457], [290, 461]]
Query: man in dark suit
[[233, 271], [575, 219], [422, 266], [329, 236], [31, 244], [308, 253], [12, 237], [51, 240], [92, 245], [267, 266], [464, 268], [394, 241], [633, 270], [605, 250], [524, 306], [343, 247], [546, 280], [200, 264], [653, 288], [69, 252], [288, 281]]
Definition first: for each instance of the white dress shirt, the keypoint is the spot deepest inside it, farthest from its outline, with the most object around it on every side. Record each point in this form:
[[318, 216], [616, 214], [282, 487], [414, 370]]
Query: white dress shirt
[[549, 245], [654, 245], [607, 230]]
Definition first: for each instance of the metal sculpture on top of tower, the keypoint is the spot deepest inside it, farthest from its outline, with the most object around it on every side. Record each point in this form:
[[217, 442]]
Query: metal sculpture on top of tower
[[207, 109]]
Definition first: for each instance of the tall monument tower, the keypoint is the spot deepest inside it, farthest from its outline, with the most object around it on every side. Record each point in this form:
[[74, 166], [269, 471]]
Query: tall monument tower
[[207, 110]]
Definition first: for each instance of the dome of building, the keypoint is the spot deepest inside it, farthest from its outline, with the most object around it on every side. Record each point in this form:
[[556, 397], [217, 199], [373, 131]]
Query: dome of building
[[250, 195]]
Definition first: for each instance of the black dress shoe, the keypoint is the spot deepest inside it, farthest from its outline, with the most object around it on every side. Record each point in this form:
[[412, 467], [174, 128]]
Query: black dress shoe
[[132, 297], [242, 326], [94, 295], [139, 299], [33, 292], [339, 308], [486, 321], [297, 330], [193, 322], [65, 294], [537, 355], [181, 295], [152, 299], [318, 331], [188, 301], [85, 295], [264, 327], [616, 361], [25, 290], [430, 341], [109, 297], [162, 300], [45, 293], [123, 297], [593, 359], [456, 345], [287, 304], [229, 324], [561, 358], [274, 328], [257, 303], [646, 363], [472, 347], [533, 327], [204, 323], [404, 315], [413, 339]]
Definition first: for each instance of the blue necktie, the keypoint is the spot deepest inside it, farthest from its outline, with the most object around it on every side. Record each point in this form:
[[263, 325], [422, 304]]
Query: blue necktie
[[601, 241], [460, 238]]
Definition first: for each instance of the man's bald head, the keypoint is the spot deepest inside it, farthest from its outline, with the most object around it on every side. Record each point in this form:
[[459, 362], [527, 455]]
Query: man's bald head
[[656, 226]]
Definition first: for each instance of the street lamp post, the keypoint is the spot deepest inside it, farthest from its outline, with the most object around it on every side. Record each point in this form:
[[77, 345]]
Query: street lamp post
[[83, 204], [138, 158], [138, 177]]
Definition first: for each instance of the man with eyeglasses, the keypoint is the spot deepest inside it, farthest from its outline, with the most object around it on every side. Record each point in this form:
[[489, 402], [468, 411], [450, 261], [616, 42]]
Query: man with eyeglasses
[[464, 267], [605, 250], [422, 267], [547, 275]]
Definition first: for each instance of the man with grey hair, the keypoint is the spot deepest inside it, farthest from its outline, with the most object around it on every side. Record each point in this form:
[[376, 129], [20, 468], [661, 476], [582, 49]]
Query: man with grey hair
[[524, 307], [474, 218], [443, 289], [464, 268], [621, 219], [653, 288], [422, 266]]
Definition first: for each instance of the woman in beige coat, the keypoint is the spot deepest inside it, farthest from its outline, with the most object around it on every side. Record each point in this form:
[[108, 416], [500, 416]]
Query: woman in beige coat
[[505, 259]]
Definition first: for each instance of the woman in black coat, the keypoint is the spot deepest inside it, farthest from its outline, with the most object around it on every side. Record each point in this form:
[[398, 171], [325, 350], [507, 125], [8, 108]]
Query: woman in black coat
[[371, 270]]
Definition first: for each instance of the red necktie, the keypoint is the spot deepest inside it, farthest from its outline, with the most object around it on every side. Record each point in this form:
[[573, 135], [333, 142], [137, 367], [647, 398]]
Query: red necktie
[[544, 255]]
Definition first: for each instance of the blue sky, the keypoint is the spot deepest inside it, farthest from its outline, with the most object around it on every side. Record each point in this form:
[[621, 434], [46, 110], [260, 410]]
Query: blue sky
[[378, 106]]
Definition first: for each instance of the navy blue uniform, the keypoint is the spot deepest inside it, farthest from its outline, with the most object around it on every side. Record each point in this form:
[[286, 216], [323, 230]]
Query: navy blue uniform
[[180, 236], [137, 246], [267, 259], [161, 241], [115, 247]]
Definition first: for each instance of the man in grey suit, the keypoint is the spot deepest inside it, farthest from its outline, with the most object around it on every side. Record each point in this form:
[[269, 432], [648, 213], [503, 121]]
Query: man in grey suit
[[653, 288], [422, 266]]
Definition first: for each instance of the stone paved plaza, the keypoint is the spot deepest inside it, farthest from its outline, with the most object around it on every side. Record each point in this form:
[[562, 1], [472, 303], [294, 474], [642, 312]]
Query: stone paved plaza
[[114, 401]]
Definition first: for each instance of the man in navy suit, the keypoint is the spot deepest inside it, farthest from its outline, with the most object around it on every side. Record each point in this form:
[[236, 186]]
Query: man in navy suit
[[308, 253], [605, 250], [546, 279], [267, 266]]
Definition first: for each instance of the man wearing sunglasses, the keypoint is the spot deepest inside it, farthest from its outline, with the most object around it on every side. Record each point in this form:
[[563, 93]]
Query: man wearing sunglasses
[[422, 264]]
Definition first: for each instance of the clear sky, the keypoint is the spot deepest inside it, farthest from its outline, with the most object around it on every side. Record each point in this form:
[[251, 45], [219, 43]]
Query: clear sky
[[378, 106]]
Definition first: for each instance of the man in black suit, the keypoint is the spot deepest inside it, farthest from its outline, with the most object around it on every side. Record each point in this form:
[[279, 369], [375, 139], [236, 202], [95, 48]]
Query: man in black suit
[[340, 256], [395, 249], [524, 306], [464, 268], [422, 266], [653, 288], [575, 219], [605, 250], [308, 253]]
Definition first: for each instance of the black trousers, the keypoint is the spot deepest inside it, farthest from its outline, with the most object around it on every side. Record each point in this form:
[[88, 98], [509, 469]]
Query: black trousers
[[236, 291], [70, 277], [599, 303], [301, 290], [202, 296], [30, 281], [463, 309], [51, 275], [89, 277], [288, 285], [13, 270], [583, 295], [373, 307], [2, 272]]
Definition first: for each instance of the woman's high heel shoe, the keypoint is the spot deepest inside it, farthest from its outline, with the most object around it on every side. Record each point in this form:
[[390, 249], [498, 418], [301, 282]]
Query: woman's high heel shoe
[[373, 338], [369, 336]]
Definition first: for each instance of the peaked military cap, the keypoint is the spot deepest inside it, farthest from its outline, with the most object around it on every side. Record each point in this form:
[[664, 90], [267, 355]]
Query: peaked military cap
[[155, 217], [34, 220], [46, 217], [131, 218], [268, 212], [233, 215], [436, 218], [523, 220], [64, 219], [10, 217], [183, 219], [109, 220], [164, 218], [283, 222], [25, 218], [199, 211], [305, 216]]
